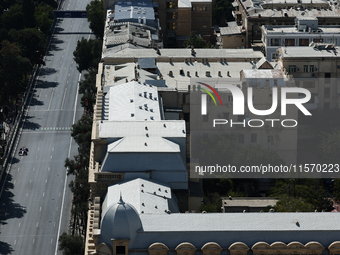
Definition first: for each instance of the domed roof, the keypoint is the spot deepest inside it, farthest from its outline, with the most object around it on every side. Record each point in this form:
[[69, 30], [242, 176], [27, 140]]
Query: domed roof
[[121, 221]]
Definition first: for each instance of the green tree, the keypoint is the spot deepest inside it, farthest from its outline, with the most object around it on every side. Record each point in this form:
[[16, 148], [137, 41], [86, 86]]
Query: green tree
[[44, 17], [71, 245], [14, 18], [88, 89], [87, 54], [255, 155], [95, 11], [28, 10], [13, 70], [196, 42], [81, 132], [336, 190], [32, 44], [308, 191], [330, 146]]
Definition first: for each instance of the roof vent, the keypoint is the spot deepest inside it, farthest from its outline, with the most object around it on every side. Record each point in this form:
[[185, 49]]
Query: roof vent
[[145, 94], [142, 191], [142, 185], [166, 191], [147, 135], [145, 144], [154, 192], [142, 211], [155, 98], [151, 110], [145, 105], [151, 117], [159, 189], [164, 125], [146, 128], [140, 107], [143, 204], [131, 100], [140, 94], [156, 206], [132, 114]]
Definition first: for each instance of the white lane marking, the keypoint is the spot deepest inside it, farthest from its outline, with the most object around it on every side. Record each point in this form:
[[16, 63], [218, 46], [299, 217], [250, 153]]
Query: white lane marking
[[49, 105], [30, 181], [40, 208], [36, 225], [15, 241], [43, 194], [26, 194], [62, 104], [46, 181], [52, 148], [33, 240], [48, 169], [38, 148], [33, 168], [59, 194], [51, 156], [15, 182], [18, 169], [69, 153], [19, 224], [51, 240], [54, 224], [36, 157]]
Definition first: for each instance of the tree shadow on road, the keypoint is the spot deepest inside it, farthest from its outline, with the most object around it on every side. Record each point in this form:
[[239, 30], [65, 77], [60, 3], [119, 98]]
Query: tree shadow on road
[[29, 125], [46, 84], [5, 248], [47, 71], [9, 210]]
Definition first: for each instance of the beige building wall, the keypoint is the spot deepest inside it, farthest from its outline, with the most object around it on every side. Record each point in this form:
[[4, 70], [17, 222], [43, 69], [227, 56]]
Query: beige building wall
[[234, 41]]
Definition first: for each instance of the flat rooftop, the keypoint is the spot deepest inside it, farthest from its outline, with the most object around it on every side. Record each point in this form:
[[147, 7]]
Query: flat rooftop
[[309, 52], [330, 30]]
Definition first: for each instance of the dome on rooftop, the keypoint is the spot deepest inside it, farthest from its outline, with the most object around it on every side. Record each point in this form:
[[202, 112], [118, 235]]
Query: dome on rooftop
[[121, 221]]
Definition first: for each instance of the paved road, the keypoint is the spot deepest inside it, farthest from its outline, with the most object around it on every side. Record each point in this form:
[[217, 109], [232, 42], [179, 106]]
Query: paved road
[[35, 203]]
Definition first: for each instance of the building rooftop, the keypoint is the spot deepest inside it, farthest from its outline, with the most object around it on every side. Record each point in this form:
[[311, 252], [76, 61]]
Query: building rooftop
[[132, 101], [134, 10], [184, 53], [146, 196], [330, 30], [215, 222], [263, 74], [231, 30], [163, 128], [309, 52]]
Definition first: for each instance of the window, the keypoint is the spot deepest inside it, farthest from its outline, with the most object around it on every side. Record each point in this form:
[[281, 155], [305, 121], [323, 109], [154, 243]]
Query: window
[[240, 138], [275, 55], [205, 118], [327, 77], [253, 138], [230, 98], [289, 42], [275, 83], [292, 68], [305, 68], [311, 69], [172, 25], [204, 24], [303, 42], [270, 139], [275, 42], [120, 250], [318, 40], [205, 8], [172, 5], [327, 92]]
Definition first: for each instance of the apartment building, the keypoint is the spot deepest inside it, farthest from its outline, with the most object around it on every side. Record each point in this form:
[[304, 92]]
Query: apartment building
[[253, 14], [177, 18], [305, 32]]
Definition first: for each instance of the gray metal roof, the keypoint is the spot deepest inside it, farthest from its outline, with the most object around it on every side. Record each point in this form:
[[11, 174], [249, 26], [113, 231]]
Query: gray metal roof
[[249, 201], [147, 62], [308, 52], [231, 30]]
